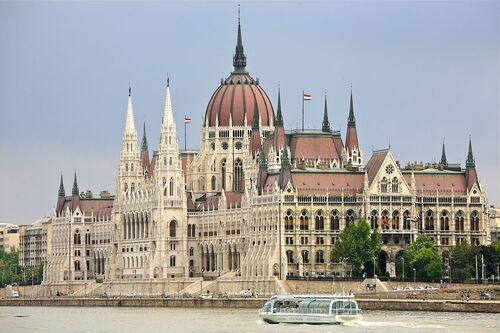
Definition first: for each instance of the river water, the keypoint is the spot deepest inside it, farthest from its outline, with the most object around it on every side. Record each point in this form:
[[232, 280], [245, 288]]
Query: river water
[[177, 320]]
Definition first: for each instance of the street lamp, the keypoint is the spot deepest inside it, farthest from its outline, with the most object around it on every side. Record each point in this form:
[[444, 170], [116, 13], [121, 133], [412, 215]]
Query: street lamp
[[414, 275], [403, 268]]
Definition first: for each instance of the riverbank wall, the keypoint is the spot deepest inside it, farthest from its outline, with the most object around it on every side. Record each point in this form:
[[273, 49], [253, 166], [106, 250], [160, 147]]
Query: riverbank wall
[[256, 303]]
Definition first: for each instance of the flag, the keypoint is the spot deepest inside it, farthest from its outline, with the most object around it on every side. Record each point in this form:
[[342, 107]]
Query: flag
[[187, 120], [307, 97]]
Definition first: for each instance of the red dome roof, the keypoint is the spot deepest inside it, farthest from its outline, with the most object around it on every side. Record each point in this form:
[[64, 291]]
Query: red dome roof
[[236, 98]]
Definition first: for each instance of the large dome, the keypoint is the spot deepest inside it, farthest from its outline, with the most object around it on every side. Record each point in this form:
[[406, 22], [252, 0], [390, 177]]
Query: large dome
[[237, 96]]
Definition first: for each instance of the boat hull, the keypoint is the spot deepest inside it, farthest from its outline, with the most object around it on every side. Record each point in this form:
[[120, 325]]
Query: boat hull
[[301, 319]]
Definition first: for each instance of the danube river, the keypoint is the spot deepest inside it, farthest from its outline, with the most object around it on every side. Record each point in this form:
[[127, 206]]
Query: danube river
[[182, 320]]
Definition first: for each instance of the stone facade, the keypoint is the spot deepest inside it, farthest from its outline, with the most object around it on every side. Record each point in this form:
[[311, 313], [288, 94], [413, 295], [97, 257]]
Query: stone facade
[[9, 237], [34, 242]]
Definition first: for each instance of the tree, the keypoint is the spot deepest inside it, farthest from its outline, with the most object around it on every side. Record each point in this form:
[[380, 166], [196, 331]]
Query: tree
[[462, 261], [358, 245], [423, 256]]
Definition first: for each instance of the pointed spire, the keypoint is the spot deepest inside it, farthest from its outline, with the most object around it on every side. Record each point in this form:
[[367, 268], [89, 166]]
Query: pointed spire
[[262, 160], [443, 161], [255, 123], [326, 123], [239, 58], [351, 120], [144, 146], [279, 116], [75, 186], [470, 163], [62, 193], [168, 117], [129, 124]]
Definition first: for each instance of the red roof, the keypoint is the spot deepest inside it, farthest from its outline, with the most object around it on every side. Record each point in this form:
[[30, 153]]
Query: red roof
[[311, 146], [375, 163], [439, 181], [321, 183]]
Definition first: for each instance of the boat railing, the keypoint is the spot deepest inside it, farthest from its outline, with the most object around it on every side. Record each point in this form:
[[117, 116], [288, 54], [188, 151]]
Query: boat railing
[[323, 311]]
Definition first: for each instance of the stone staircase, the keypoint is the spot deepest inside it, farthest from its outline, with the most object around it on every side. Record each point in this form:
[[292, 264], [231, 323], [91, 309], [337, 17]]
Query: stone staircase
[[88, 289]]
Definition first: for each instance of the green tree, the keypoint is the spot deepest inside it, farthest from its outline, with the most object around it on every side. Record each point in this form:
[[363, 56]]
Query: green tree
[[462, 261], [359, 245], [423, 256]]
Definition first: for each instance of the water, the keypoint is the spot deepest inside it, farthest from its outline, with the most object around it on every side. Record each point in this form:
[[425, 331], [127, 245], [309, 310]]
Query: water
[[173, 320]]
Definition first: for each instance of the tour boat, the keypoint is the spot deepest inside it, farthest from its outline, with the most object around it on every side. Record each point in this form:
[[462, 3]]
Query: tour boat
[[310, 309]]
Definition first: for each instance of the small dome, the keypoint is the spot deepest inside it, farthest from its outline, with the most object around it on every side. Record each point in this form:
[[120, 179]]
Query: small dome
[[236, 98]]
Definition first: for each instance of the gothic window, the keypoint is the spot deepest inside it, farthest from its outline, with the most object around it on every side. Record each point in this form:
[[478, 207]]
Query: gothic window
[[164, 187], [164, 161], [374, 219], [77, 265], [224, 145], [126, 166], [320, 257], [395, 185], [349, 217], [334, 220], [193, 230], [191, 252], [238, 175], [383, 185], [212, 145], [395, 220], [173, 228], [172, 261], [319, 223], [474, 221], [444, 221], [304, 220], [77, 238], [289, 257], [305, 257], [213, 183], [132, 187], [189, 230], [459, 221], [223, 174], [385, 220], [87, 238], [201, 184], [126, 187], [429, 220], [238, 145], [170, 161], [131, 166], [169, 140], [289, 220], [171, 185], [406, 220], [127, 147]]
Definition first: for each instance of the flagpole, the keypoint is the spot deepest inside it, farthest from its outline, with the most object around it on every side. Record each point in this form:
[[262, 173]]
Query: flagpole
[[185, 135], [302, 110]]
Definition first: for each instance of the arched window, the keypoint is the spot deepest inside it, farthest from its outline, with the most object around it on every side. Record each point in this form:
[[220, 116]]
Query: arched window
[[189, 230], [77, 238], [406, 220], [385, 220], [164, 187], [126, 166], [289, 220], [87, 238], [172, 261], [173, 228], [334, 220], [164, 161], [459, 221], [238, 175], [131, 166], [191, 252], [429, 220], [223, 174], [213, 183], [320, 257], [126, 187], [349, 217], [374, 220], [444, 221], [395, 185], [171, 185], [170, 161], [289, 257], [77, 265], [319, 223], [474, 221], [193, 230], [304, 220], [395, 220], [383, 185], [305, 257], [132, 187]]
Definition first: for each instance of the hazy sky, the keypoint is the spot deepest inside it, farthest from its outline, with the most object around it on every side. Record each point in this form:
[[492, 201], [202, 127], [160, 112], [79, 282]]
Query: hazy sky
[[421, 72]]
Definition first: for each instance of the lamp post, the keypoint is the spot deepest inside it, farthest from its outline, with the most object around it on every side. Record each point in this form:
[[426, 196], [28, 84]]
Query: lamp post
[[414, 275], [403, 268]]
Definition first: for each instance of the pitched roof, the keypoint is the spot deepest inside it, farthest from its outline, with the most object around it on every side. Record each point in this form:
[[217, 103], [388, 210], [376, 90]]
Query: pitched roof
[[431, 181], [312, 145], [321, 183], [375, 163]]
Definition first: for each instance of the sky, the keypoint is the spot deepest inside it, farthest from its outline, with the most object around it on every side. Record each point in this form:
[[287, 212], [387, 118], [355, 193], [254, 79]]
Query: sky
[[421, 72]]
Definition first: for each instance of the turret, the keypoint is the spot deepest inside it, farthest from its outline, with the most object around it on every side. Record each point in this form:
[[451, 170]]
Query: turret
[[326, 123], [470, 168], [353, 155], [255, 141], [75, 196], [61, 197], [444, 161]]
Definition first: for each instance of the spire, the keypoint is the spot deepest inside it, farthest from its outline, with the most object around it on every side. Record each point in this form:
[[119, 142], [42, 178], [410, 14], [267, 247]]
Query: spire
[[75, 186], [443, 161], [62, 193], [279, 116], [351, 120], [239, 58], [255, 123], [262, 160], [471, 163], [168, 118], [129, 124], [326, 123], [144, 146]]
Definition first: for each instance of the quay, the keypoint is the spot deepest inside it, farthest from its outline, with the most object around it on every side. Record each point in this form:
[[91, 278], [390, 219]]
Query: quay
[[434, 305]]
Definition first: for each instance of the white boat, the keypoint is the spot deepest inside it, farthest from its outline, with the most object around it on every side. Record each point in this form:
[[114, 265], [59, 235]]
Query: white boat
[[310, 309]]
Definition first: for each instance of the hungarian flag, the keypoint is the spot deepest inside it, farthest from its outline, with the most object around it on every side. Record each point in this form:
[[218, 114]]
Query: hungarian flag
[[187, 120], [307, 97]]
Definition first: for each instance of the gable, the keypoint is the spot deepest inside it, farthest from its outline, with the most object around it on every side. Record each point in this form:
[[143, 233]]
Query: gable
[[384, 170]]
